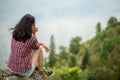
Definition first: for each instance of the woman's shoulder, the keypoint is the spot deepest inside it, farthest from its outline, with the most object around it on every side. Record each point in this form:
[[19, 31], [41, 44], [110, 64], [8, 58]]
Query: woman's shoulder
[[33, 37]]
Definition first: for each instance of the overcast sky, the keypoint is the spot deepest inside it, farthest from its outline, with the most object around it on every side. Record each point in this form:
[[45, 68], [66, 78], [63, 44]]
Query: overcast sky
[[62, 18]]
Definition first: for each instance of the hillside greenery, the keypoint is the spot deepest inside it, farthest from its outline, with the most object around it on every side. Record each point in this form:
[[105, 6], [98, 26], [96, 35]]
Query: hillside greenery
[[95, 59]]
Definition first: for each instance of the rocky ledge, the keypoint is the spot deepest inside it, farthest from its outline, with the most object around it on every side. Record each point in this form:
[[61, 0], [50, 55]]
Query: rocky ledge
[[7, 75]]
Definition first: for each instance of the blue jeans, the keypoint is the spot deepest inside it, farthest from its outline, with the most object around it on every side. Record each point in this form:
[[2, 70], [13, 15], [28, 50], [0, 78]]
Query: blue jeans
[[27, 74]]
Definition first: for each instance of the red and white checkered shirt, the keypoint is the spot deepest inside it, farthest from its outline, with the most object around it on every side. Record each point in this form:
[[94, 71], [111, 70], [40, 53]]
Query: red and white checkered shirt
[[20, 59]]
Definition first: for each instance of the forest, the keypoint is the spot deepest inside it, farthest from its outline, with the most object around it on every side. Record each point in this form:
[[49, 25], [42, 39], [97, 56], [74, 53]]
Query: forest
[[94, 59]]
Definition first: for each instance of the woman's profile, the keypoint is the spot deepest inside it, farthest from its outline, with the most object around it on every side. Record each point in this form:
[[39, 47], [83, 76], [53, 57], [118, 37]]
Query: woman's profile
[[26, 52]]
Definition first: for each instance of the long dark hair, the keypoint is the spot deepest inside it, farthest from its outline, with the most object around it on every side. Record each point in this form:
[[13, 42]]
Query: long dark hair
[[23, 30]]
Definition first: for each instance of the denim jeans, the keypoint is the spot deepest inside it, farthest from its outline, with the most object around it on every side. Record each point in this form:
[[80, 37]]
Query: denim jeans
[[27, 74]]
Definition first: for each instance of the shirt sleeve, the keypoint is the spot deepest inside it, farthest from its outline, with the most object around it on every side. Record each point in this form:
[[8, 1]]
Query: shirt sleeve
[[35, 44]]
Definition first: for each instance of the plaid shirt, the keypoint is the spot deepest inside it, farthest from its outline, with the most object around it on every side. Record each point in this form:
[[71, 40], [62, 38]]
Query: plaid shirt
[[20, 59]]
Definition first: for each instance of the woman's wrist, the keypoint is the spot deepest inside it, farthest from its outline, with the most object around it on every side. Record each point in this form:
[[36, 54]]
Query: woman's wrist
[[41, 44]]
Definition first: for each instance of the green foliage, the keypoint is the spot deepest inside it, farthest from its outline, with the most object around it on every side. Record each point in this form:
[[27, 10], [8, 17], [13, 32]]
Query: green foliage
[[112, 22], [95, 59], [75, 44], [98, 27], [100, 73], [85, 60], [94, 62], [119, 23], [63, 52], [106, 65], [108, 46], [72, 60], [52, 59], [66, 73]]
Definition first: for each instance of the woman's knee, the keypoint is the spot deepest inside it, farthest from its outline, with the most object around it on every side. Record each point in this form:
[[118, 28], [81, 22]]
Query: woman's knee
[[37, 50], [36, 54], [40, 50]]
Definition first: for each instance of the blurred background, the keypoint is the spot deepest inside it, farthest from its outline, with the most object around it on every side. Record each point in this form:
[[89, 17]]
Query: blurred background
[[83, 35]]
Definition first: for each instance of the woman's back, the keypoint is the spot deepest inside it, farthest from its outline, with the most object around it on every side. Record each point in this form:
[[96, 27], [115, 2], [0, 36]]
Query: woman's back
[[21, 53]]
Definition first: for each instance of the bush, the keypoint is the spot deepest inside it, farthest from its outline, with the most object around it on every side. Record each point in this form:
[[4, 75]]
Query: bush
[[100, 73], [108, 46], [66, 73]]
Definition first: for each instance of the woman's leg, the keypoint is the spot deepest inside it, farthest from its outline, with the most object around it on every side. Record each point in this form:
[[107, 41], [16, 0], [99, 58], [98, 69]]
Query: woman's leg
[[37, 58], [40, 59]]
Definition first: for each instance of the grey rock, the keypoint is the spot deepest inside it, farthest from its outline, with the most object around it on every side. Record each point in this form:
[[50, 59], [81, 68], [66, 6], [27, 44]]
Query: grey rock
[[7, 75]]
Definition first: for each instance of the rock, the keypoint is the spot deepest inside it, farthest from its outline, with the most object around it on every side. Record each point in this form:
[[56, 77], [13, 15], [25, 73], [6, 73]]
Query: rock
[[35, 76], [7, 75], [11, 78]]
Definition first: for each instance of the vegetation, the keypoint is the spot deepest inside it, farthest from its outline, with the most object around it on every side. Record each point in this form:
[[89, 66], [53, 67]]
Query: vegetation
[[95, 59], [52, 51]]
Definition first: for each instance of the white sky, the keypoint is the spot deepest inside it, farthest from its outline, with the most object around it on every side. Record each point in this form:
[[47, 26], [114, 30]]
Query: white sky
[[62, 18]]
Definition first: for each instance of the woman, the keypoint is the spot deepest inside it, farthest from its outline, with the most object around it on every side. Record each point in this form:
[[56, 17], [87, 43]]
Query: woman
[[26, 52]]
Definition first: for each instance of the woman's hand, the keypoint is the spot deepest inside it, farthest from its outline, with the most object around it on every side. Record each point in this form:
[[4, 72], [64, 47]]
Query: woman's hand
[[45, 47]]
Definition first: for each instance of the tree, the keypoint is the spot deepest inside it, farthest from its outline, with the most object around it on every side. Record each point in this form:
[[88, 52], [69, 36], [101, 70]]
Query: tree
[[108, 46], [118, 22], [85, 60], [72, 60], [63, 52], [75, 44], [52, 52], [98, 27], [112, 22]]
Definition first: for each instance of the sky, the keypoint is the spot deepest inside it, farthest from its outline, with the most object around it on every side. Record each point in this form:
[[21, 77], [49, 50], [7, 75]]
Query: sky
[[62, 18]]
